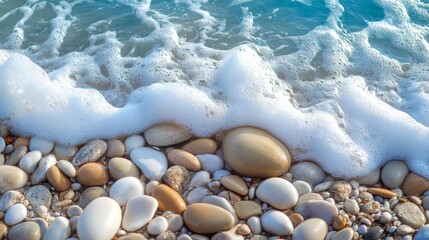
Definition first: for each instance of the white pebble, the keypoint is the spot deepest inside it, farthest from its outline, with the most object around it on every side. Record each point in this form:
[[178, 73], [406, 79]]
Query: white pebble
[[15, 214], [44, 146], [59, 229], [210, 162], [138, 212], [197, 194], [277, 192], [276, 223], [157, 226], [200, 179], [29, 161], [67, 168], [2, 144], [254, 224], [126, 188], [152, 163], [133, 141], [220, 173], [302, 187], [385, 217], [150, 186]]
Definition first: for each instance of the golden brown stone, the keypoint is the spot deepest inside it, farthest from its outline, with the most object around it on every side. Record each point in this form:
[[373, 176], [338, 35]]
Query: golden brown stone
[[58, 179], [235, 184], [201, 146], [3, 230], [415, 185], [207, 218], [382, 192], [21, 141], [184, 159], [339, 222], [92, 174], [168, 199]]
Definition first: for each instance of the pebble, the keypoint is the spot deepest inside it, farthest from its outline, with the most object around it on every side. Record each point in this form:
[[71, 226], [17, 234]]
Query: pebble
[[410, 214], [67, 168], [302, 187], [138, 212], [17, 154], [124, 189], [344, 234], [26, 230], [90, 194], [352, 206], [318, 209], [74, 210], [277, 192], [42, 145], [150, 186], [371, 178], [385, 217], [220, 174], [11, 177], [38, 196], [201, 146], [100, 220], [92, 174], [152, 163], [362, 229], [247, 209], [206, 218], [415, 185], [382, 192], [132, 142], [2, 144], [276, 223], [43, 225], [157, 225], [175, 222], [404, 230], [15, 214], [9, 198], [221, 202], [373, 233], [341, 190], [59, 229], [40, 174], [21, 141], [168, 199], [166, 134], [296, 219], [133, 236], [184, 159], [323, 186], [115, 148], [197, 194], [65, 152], [308, 172], [255, 153], [311, 229], [90, 152], [340, 222], [244, 230], [177, 177], [423, 233], [254, 224], [394, 173], [29, 161], [210, 162], [200, 179], [235, 184], [366, 197], [3, 230], [121, 167]]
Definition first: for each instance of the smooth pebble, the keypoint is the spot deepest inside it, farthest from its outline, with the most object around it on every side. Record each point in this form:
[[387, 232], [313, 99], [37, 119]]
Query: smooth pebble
[[152, 163], [11, 177], [42, 145], [394, 173], [126, 188], [15, 214], [210, 162], [65, 152], [166, 134], [138, 212], [311, 229], [157, 225], [29, 161], [59, 229], [277, 192], [40, 174], [132, 142], [276, 223], [121, 167]]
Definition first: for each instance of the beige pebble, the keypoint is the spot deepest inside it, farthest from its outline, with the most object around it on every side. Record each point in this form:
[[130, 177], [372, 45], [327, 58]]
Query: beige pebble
[[341, 190], [64, 152], [255, 153], [92, 174], [296, 219], [133, 236], [415, 185], [115, 148], [246, 209], [339, 222], [205, 218], [121, 167], [177, 177], [184, 159], [11, 177], [3, 230], [201, 146], [21, 141], [235, 184], [166, 134], [244, 230], [168, 199], [58, 179], [382, 192]]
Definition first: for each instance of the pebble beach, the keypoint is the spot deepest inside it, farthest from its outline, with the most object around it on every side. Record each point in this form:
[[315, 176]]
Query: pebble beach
[[166, 183]]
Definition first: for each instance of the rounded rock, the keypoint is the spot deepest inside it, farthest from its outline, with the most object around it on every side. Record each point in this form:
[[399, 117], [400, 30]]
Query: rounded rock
[[122, 167], [124, 189], [115, 148], [67, 168], [132, 142], [373, 233], [15, 214], [210, 162], [255, 153], [90, 152], [302, 187], [166, 134], [276, 223], [318, 209], [394, 173], [247, 209], [59, 229], [29, 161], [177, 177], [90, 194], [200, 179], [42, 145], [152, 163], [168, 199], [410, 214], [64, 152], [308, 172], [344, 234], [235, 184], [16, 155], [157, 225], [201, 146], [92, 174], [371, 178], [205, 218], [138, 212], [11, 177], [277, 192], [423, 233], [26, 230], [311, 229], [40, 174], [184, 159], [341, 190], [415, 185]]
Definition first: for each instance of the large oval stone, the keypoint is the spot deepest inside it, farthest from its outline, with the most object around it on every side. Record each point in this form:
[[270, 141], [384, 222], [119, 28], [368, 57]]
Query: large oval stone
[[255, 153], [311, 229], [207, 218], [26, 230], [168, 199], [11, 177], [277, 192]]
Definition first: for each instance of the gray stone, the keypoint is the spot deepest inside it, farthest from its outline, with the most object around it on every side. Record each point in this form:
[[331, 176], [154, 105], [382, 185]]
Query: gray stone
[[423, 233], [373, 233], [308, 172], [26, 230], [318, 209], [343, 234], [352, 206], [43, 225], [394, 173], [9, 198], [90, 152], [40, 174], [404, 230], [122, 167], [410, 214], [38, 196], [90, 194], [16, 155], [59, 229], [371, 178]]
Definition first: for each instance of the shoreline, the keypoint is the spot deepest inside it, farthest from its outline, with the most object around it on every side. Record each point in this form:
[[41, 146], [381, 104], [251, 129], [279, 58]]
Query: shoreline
[[198, 188]]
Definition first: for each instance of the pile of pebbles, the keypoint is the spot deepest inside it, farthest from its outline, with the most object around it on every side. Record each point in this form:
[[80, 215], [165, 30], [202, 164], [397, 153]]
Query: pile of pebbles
[[167, 184]]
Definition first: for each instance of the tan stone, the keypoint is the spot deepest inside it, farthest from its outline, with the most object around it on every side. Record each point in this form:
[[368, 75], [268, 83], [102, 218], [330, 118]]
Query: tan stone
[[168, 199], [11, 177], [122, 167], [21, 141], [166, 134], [246, 209], [3, 230], [201, 146], [255, 153], [206, 218], [296, 219], [244, 230], [115, 148], [92, 174], [235, 184], [184, 159], [339, 222], [58, 179], [382, 192], [415, 185], [133, 236]]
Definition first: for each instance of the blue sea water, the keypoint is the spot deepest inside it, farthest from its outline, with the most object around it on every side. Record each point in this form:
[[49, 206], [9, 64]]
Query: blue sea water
[[342, 83]]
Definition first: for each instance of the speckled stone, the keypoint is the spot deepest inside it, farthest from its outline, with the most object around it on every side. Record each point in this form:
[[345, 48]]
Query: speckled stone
[[410, 214], [26, 230], [177, 177], [90, 152], [91, 193], [166, 134], [38, 196], [340, 190], [201, 146]]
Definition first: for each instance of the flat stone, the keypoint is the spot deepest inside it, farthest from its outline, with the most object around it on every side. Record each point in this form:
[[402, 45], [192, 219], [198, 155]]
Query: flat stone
[[247, 209], [166, 134], [124, 189], [177, 177], [277, 192], [65, 152], [415, 185], [201, 146], [235, 184], [115, 148], [57, 179], [184, 159], [132, 142], [59, 229], [29, 161], [138, 212], [100, 220], [343, 234], [410, 214], [371, 178], [157, 226], [276, 223], [382, 192], [341, 190], [152, 163], [206, 218], [311, 229], [90, 152], [17, 154], [255, 153], [122, 167], [40, 174], [15, 214], [11, 178], [220, 174], [200, 179], [254, 224], [423, 233], [302, 187], [67, 168], [394, 173], [38, 196], [168, 199], [211, 162], [9, 198], [42, 145], [318, 209], [308, 172], [26, 230], [321, 187], [92, 174], [374, 233], [90, 194]]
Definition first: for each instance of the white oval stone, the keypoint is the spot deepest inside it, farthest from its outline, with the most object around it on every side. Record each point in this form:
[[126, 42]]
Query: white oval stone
[[220, 173], [197, 194], [65, 152], [152, 163], [158, 225], [311, 229], [318, 209], [9, 198], [277, 192], [133, 141], [2, 144], [276, 223], [200, 179], [44, 146], [126, 188], [15, 214], [150, 186], [100, 220], [302, 187], [139, 211], [40, 174], [254, 224], [29, 161], [67, 168], [211, 162], [59, 229], [11, 177]]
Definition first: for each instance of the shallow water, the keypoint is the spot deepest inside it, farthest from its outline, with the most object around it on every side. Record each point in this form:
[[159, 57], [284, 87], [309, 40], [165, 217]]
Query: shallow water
[[341, 83]]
